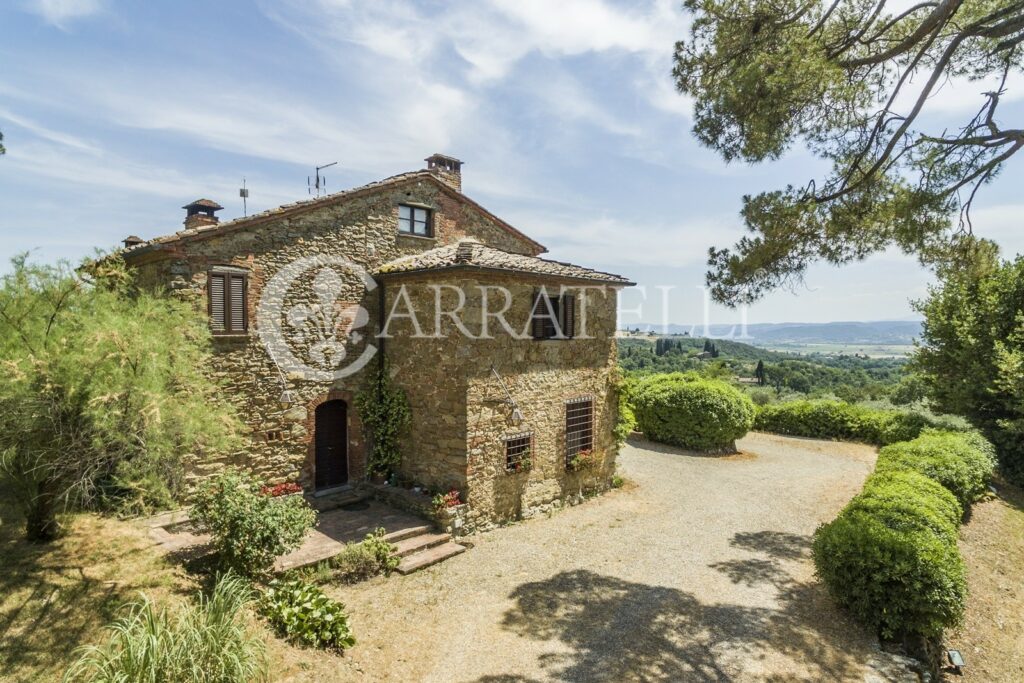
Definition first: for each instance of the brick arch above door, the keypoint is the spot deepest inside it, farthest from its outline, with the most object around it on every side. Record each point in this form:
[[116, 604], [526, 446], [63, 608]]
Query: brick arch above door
[[356, 439]]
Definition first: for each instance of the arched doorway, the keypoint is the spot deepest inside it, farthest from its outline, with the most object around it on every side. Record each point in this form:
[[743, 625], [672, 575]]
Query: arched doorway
[[331, 442]]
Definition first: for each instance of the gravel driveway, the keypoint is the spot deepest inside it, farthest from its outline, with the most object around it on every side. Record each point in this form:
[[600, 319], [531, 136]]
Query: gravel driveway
[[697, 570]]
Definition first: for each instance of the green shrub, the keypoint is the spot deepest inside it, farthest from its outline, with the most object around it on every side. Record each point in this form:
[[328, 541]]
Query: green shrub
[[691, 412], [908, 501], [360, 561], [250, 529], [953, 460], [300, 612], [841, 421], [205, 642], [900, 581]]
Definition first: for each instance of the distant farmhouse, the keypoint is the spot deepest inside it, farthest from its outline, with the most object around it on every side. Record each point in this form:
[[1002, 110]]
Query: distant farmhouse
[[309, 301]]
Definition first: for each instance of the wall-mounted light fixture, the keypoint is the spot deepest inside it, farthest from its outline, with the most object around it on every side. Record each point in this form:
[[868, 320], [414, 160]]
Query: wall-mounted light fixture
[[517, 415]]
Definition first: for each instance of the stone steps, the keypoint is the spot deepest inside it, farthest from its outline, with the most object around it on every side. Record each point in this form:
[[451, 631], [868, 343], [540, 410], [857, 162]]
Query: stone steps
[[413, 544], [429, 556]]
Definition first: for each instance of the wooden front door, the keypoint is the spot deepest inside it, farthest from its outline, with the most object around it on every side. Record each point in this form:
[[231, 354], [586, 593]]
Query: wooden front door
[[331, 444]]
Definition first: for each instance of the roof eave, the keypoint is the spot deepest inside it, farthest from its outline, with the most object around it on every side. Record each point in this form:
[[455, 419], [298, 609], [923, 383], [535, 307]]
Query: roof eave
[[470, 267]]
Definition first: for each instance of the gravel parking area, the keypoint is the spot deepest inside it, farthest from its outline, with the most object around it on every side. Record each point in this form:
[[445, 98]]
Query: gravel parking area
[[698, 569]]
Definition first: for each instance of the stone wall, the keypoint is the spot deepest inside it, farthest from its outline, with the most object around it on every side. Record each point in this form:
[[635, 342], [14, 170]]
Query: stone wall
[[461, 414], [362, 230]]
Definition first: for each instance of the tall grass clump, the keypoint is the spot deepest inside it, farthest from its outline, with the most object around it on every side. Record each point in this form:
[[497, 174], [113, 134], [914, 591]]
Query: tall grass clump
[[207, 642]]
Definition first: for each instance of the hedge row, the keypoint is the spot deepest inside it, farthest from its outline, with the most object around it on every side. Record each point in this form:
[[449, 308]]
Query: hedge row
[[841, 421], [686, 410], [891, 555]]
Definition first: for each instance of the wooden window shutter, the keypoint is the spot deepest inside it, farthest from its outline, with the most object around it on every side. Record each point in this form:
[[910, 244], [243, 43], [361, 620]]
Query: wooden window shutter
[[237, 320], [218, 311], [538, 311], [569, 315]]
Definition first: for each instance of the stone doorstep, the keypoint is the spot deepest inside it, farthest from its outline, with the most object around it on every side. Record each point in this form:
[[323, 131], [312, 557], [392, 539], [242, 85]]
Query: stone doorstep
[[430, 556]]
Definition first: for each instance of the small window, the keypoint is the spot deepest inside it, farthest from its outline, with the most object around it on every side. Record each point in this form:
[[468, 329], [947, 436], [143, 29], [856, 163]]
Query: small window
[[579, 426], [553, 317], [415, 220], [228, 304], [518, 453]]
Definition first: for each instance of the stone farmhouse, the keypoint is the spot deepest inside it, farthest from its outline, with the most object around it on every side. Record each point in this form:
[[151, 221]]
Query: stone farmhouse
[[507, 359]]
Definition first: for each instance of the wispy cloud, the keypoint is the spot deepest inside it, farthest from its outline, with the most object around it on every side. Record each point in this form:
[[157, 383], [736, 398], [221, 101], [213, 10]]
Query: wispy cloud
[[61, 13]]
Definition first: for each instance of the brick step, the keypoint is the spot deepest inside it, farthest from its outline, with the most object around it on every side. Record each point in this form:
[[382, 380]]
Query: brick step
[[425, 558], [336, 500], [412, 544], [401, 534]]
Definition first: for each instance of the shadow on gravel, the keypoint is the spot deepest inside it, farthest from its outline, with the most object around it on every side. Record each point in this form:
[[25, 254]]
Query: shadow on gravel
[[621, 630]]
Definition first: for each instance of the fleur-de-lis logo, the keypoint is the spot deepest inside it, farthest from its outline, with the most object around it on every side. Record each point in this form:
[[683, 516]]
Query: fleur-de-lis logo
[[316, 332]]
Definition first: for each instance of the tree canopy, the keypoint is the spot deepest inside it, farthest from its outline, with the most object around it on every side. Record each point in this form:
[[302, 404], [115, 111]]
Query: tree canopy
[[850, 80]]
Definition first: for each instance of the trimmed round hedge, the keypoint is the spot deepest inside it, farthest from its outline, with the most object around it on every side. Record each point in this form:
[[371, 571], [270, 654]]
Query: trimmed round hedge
[[899, 581], [908, 501], [691, 412], [957, 461]]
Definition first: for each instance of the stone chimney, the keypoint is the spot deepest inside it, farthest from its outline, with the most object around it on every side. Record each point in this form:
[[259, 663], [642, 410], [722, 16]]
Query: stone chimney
[[448, 169], [200, 212], [132, 241]]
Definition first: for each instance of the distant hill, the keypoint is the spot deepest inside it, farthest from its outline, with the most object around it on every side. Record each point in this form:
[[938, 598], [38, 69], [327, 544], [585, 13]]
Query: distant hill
[[872, 332]]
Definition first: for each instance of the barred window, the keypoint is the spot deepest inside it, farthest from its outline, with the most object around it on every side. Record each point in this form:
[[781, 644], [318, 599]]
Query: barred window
[[518, 449], [579, 426], [228, 302]]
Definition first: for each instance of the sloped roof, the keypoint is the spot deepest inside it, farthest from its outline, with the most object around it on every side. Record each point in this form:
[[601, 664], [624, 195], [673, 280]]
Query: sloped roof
[[302, 206], [470, 254]]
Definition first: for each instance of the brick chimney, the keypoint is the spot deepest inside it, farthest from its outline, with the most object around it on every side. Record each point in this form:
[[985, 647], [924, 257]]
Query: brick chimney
[[448, 169], [200, 212], [132, 241]]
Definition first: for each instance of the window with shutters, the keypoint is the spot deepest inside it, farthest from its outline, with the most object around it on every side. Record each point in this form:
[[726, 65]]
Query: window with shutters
[[553, 317], [415, 220], [227, 291], [579, 426]]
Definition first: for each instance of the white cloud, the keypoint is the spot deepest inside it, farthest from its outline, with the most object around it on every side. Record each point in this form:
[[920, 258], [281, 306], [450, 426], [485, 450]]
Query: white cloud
[[61, 13], [46, 133]]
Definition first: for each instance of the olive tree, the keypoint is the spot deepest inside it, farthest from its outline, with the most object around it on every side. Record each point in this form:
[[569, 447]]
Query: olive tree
[[102, 391]]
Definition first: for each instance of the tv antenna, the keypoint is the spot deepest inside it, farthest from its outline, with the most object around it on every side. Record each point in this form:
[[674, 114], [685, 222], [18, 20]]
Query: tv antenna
[[320, 183], [243, 192]]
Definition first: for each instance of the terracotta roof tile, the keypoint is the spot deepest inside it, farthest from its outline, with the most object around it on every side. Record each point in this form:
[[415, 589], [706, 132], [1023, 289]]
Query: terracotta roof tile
[[471, 254], [308, 204]]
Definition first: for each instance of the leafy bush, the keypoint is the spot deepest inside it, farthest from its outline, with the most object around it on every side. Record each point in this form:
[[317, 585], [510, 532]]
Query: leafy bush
[[841, 421], [359, 561], [954, 460], [688, 411], [908, 501], [250, 529], [900, 580], [300, 612], [205, 642]]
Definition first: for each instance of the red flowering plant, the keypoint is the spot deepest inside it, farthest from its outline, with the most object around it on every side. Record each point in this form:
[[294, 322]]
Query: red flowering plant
[[582, 460], [282, 489], [443, 501]]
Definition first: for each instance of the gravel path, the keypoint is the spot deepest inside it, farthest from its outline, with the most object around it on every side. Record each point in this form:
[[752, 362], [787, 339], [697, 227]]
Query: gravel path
[[697, 570]]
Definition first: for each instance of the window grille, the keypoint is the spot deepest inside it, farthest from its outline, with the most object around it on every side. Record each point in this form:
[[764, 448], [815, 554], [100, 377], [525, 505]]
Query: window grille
[[518, 454], [579, 426]]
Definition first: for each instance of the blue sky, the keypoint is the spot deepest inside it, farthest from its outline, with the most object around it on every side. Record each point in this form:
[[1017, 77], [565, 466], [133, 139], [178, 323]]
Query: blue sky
[[117, 113]]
